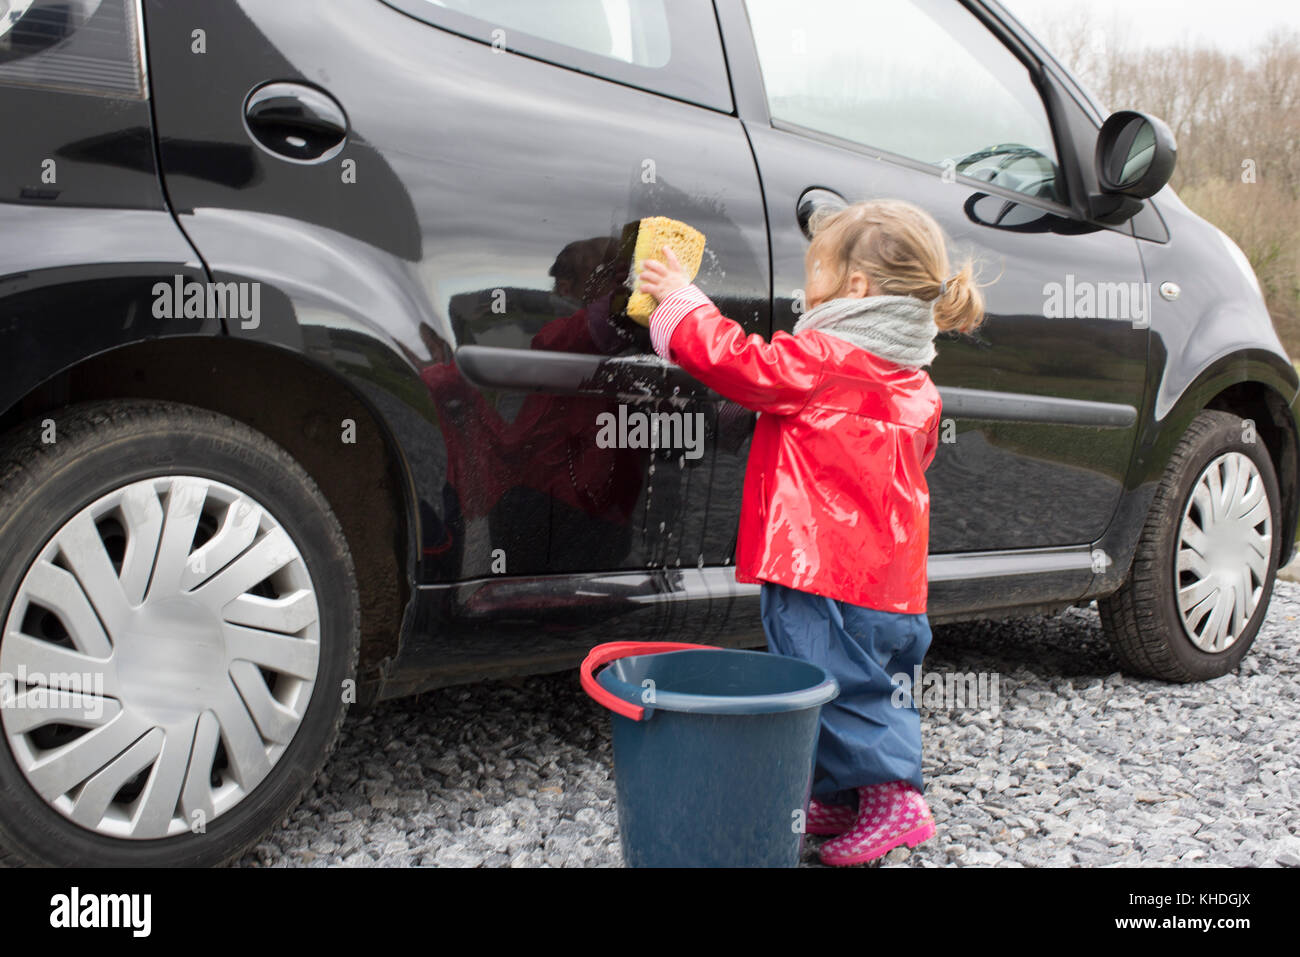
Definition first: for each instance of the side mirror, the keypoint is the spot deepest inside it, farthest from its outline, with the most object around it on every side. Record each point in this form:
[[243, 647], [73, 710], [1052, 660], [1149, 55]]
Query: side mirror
[[1135, 157]]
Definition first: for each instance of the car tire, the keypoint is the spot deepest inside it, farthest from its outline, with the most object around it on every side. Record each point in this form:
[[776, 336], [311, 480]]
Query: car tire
[[1177, 616], [133, 532]]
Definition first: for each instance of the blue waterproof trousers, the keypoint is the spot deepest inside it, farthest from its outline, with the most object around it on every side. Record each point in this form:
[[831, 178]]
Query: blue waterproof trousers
[[865, 737]]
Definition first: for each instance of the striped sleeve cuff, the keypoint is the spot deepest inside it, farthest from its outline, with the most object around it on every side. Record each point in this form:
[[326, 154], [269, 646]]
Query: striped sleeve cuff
[[672, 310]]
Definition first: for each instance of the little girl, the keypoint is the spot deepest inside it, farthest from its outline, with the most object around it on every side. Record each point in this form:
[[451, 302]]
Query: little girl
[[835, 513]]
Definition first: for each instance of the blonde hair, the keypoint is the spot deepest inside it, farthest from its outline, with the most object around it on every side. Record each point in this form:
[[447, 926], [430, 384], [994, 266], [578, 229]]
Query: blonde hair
[[903, 252]]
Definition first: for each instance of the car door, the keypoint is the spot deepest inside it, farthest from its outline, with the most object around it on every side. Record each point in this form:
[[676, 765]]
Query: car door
[[496, 151], [931, 101]]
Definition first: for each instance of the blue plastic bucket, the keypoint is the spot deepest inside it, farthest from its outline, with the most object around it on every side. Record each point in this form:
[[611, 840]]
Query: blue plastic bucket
[[714, 751]]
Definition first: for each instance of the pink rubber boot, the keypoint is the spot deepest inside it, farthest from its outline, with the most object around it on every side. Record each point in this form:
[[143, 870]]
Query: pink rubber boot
[[830, 818], [889, 815]]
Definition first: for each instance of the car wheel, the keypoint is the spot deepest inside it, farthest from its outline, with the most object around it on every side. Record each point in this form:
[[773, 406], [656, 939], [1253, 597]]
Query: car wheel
[[180, 615], [1204, 567]]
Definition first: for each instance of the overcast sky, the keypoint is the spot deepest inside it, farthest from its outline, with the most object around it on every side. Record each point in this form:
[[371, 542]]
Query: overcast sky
[[1234, 27]]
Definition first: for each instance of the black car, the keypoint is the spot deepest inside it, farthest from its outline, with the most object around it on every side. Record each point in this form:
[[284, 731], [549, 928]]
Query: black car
[[311, 315]]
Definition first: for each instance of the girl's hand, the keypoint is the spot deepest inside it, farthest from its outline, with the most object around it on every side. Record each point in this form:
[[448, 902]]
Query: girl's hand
[[660, 280]]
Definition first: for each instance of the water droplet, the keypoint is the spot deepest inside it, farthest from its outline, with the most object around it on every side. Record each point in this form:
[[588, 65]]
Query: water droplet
[[661, 526]]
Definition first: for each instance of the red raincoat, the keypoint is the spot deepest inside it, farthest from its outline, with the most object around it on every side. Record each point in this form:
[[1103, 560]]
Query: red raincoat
[[835, 500]]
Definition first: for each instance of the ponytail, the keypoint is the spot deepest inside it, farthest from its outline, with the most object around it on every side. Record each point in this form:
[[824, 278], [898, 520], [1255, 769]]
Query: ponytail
[[961, 306]]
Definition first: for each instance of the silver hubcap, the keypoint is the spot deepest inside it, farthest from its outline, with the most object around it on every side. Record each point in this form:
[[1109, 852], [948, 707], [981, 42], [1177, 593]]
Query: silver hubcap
[[1224, 546], [159, 657]]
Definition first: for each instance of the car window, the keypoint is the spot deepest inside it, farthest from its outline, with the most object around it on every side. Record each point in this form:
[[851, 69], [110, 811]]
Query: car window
[[666, 46], [603, 27], [923, 79]]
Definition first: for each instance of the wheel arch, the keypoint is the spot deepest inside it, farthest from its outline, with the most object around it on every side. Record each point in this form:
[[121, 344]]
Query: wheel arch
[[1276, 427], [1255, 384], [298, 405]]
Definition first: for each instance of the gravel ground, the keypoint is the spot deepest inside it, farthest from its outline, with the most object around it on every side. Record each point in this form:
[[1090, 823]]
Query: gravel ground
[[1079, 765]]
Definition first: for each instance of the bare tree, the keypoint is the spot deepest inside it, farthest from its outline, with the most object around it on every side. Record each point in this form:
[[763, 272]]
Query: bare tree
[[1237, 123]]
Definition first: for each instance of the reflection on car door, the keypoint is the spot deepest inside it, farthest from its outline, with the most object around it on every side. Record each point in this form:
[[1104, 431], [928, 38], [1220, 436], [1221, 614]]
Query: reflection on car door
[[475, 218]]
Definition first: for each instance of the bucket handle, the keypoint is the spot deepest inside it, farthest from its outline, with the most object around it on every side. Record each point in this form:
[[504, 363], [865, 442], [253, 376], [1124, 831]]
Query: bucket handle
[[613, 650]]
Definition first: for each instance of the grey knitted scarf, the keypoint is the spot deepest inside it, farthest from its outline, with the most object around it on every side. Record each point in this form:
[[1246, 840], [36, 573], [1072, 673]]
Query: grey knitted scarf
[[898, 328]]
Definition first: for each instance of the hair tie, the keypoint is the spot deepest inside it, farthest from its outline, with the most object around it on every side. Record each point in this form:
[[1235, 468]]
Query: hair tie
[[943, 287]]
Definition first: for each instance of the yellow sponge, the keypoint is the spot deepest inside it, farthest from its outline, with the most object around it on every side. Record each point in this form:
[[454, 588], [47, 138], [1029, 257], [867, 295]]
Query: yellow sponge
[[651, 235]]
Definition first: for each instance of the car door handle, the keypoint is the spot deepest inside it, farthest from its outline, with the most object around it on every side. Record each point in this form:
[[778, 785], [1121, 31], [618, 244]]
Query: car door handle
[[542, 370], [295, 122], [810, 199]]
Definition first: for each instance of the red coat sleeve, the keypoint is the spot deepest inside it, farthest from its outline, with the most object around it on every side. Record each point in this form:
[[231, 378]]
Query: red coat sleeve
[[776, 377]]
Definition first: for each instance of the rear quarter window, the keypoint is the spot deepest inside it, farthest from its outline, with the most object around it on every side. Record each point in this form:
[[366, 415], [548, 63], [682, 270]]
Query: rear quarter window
[[78, 47], [670, 47]]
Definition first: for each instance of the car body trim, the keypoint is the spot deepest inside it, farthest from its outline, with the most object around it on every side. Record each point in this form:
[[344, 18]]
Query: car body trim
[[531, 369], [1022, 407]]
